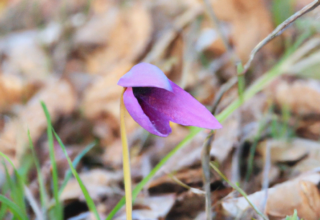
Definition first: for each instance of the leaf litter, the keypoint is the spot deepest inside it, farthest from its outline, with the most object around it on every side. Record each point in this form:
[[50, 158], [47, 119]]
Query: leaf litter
[[70, 56]]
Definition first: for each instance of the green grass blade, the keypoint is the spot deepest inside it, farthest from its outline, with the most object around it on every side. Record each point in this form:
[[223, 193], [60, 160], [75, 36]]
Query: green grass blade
[[235, 187], [294, 216], [15, 209], [43, 193], [85, 192], [3, 210], [58, 207], [241, 80], [74, 164], [17, 189]]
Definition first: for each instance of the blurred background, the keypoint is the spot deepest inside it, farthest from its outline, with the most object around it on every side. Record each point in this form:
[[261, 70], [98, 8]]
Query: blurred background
[[70, 55]]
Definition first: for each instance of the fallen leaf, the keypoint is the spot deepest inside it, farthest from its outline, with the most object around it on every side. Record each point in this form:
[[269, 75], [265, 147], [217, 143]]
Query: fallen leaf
[[153, 208], [300, 193], [99, 183], [250, 23], [126, 42], [14, 139], [292, 150], [300, 96], [24, 56], [14, 90]]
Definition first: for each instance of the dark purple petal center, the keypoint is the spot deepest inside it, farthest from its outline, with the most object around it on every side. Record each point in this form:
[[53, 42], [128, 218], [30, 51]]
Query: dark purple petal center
[[157, 118]]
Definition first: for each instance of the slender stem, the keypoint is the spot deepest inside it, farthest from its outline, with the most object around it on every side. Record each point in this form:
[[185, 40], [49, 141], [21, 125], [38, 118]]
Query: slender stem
[[265, 184], [279, 31], [206, 174], [126, 162]]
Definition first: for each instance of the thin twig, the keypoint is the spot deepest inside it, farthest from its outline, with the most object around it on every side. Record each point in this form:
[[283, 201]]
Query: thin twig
[[223, 89], [235, 169], [33, 203], [279, 31], [205, 157], [179, 182], [205, 161], [265, 184]]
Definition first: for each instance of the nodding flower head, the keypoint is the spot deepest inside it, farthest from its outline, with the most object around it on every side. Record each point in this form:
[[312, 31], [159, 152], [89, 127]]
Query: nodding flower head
[[153, 101]]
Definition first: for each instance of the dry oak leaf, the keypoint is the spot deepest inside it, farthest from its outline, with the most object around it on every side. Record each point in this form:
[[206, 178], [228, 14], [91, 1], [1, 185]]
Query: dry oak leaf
[[127, 40], [13, 90], [60, 99], [302, 97], [98, 183], [250, 22], [300, 193], [153, 208], [24, 55], [293, 150]]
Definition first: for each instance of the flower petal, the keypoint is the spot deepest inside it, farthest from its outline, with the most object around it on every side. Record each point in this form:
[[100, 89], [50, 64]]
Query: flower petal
[[145, 75], [179, 106], [152, 121]]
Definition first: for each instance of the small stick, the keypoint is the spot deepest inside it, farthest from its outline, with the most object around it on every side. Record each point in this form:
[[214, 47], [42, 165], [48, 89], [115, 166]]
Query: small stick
[[205, 157], [265, 184], [179, 182], [279, 31], [205, 162]]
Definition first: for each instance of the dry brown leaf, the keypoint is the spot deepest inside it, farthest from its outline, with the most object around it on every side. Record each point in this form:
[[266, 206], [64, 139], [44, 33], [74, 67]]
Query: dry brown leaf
[[309, 128], [24, 55], [305, 165], [59, 98], [300, 193], [187, 156], [301, 96], [90, 34], [98, 183], [250, 22], [14, 90], [126, 42], [282, 151], [153, 208]]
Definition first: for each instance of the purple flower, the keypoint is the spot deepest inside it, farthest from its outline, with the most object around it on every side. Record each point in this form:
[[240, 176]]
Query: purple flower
[[153, 101]]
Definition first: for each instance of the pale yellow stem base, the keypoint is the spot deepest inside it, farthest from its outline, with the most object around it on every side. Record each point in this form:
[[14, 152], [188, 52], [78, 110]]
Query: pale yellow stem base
[[126, 162]]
